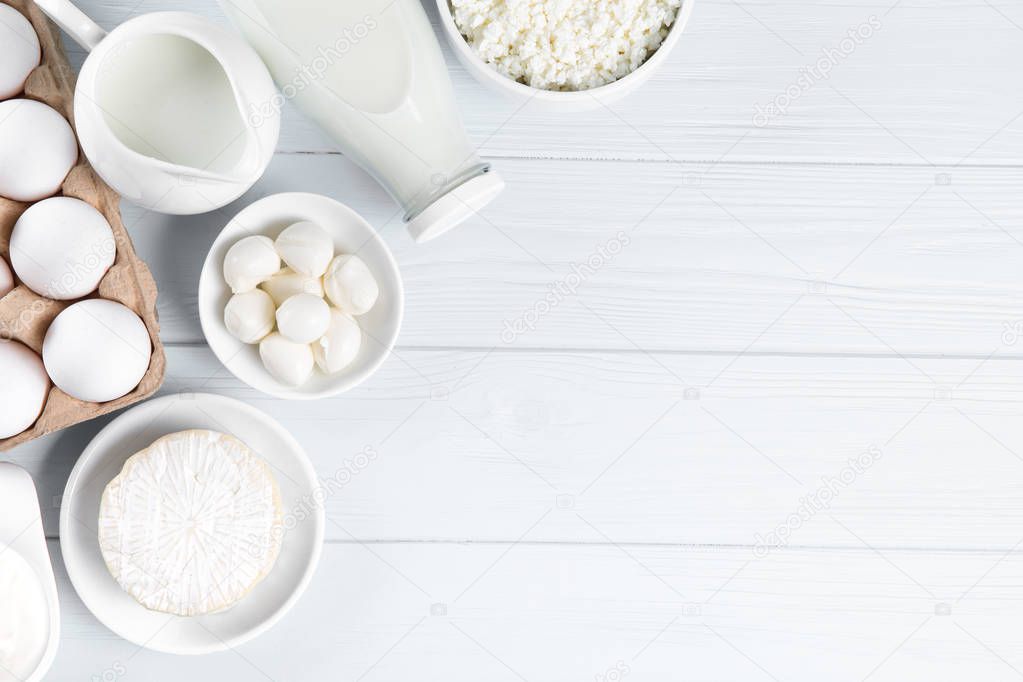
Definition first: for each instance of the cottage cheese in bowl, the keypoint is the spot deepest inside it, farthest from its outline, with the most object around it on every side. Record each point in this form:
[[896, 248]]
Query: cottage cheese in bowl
[[564, 45]]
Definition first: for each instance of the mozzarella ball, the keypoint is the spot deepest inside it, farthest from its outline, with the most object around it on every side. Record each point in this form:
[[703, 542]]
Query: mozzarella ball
[[97, 350], [339, 345], [250, 262], [19, 51], [6, 279], [350, 285], [303, 318], [24, 387], [37, 149], [287, 283], [249, 316], [306, 248], [288, 362], [62, 247]]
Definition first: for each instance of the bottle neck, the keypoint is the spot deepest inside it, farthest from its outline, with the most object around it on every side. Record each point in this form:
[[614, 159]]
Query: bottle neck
[[441, 186]]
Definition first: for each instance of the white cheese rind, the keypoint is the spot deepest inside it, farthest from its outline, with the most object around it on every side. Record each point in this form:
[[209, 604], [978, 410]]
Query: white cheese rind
[[191, 524], [565, 44]]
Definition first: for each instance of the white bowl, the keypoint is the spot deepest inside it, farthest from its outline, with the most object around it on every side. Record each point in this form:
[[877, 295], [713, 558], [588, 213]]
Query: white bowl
[[23, 544], [556, 100], [102, 461], [41, 608], [352, 234]]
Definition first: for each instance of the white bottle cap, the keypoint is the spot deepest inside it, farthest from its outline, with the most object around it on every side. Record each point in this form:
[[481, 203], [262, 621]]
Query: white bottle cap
[[456, 206]]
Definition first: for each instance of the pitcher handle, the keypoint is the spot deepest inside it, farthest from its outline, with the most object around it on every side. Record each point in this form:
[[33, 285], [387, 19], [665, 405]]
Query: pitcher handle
[[84, 30]]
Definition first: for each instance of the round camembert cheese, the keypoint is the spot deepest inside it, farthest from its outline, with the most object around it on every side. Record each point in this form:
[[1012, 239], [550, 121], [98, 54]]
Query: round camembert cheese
[[191, 524]]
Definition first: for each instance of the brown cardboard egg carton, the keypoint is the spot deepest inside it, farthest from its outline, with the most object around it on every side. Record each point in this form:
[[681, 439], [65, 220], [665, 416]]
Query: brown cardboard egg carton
[[24, 315]]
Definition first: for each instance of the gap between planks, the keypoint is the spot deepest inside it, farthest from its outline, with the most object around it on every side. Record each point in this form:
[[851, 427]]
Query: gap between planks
[[838, 163], [531, 350], [682, 546]]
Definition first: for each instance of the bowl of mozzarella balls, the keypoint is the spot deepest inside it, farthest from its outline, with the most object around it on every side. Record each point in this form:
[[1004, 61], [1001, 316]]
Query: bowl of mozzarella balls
[[570, 55], [299, 298]]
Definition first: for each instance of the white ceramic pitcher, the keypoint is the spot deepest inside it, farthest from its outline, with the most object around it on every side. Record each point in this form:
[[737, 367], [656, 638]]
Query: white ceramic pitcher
[[160, 108]]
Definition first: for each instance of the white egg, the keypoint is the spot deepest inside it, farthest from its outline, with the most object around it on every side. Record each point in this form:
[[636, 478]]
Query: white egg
[[288, 362], [250, 262], [19, 51], [37, 149], [350, 285], [303, 318], [249, 316], [62, 247], [23, 390], [287, 283], [96, 350], [306, 248], [6, 279], [339, 345]]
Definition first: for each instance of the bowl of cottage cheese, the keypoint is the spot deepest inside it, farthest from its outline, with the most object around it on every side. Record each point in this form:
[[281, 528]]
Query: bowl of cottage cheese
[[566, 54]]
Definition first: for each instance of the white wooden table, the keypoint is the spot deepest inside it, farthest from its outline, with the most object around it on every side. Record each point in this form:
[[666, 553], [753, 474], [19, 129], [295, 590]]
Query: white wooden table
[[813, 327]]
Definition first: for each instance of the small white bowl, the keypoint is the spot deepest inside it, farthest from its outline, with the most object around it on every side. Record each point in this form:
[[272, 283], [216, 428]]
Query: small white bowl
[[352, 234], [103, 459], [557, 100], [41, 608], [23, 546]]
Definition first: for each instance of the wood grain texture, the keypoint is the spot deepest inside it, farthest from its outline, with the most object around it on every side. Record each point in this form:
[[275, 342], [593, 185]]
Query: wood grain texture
[[639, 479], [634, 448], [538, 613], [928, 87], [788, 258]]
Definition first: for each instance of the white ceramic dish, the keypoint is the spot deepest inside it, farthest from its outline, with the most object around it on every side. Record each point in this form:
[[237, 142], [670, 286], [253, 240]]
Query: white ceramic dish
[[21, 533], [552, 100], [352, 234], [103, 459]]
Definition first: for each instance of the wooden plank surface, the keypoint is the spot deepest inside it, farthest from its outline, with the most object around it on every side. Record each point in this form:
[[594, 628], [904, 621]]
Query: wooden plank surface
[[776, 436], [541, 612], [789, 258], [931, 85], [661, 448]]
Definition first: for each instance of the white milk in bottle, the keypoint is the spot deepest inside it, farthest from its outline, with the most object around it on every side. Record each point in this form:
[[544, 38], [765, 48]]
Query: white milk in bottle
[[370, 73]]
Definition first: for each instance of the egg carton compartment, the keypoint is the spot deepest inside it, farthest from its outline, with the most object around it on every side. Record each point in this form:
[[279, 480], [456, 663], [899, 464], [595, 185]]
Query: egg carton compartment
[[24, 315]]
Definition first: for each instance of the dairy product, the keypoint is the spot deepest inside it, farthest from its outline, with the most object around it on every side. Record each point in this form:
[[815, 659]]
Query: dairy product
[[350, 285], [370, 73], [150, 90], [288, 362], [24, 618], [249, 316], [303, 318], [191, 524], [565, 45], [339, 346], [249, 262], [287, 283], [305, 247]]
